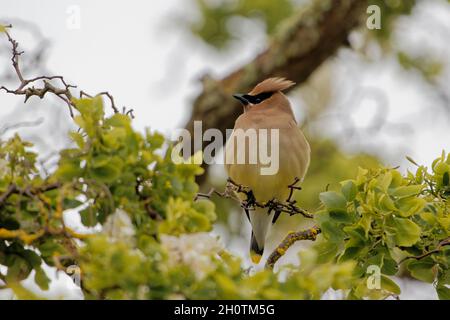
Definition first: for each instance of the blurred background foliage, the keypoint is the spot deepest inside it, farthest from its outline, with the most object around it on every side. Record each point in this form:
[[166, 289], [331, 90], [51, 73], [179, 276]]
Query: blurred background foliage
[[216, 17]]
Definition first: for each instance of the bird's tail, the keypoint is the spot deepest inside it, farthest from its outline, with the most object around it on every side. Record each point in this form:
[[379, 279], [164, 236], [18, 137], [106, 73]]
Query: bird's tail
[[260, 221], [255, 251]]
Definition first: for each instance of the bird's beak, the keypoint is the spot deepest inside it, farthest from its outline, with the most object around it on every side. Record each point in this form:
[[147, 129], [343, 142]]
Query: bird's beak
[[241, 98]]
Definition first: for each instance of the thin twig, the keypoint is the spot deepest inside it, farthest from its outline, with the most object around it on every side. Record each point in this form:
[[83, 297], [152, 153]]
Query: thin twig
[[289, 240], [250, 203], [14, 189], [63, 93], [441, 244]]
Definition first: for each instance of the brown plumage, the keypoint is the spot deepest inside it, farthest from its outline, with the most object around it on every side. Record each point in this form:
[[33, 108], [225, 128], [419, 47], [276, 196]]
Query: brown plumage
[[266, 107], [271, 84]]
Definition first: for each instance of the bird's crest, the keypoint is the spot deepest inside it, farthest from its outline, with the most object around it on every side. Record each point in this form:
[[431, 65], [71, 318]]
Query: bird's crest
[[272, 85]]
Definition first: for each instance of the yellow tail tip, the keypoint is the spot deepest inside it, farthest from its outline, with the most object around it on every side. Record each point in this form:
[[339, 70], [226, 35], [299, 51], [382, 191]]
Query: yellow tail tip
[[256, 258]]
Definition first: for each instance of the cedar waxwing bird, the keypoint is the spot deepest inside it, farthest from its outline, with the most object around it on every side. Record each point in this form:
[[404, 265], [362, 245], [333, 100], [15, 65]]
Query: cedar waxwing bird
[[266, 108]]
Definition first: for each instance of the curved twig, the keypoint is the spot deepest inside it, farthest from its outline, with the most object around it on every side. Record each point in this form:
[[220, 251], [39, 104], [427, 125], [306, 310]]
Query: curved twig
[[289, 240]]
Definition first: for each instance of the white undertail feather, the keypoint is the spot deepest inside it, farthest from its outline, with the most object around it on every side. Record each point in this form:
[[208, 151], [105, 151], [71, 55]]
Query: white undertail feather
[[260, 221]]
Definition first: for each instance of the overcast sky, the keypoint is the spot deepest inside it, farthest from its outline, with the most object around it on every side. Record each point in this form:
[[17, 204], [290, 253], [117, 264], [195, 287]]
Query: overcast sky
[[142, 54]]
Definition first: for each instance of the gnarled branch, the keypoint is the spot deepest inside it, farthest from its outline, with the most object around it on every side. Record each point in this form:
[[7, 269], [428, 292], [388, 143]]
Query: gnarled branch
[[305, 41], [291, 238], [26, 86], [250, 202]]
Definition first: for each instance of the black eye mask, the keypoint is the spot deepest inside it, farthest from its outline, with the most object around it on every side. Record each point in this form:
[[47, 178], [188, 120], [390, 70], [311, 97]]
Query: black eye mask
[[258, 98]]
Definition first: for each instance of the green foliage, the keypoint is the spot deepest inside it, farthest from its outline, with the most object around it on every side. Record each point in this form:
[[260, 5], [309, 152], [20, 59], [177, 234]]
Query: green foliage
[[382, 216], [118, 270], [110, 166], [155, 244], [390, 10]]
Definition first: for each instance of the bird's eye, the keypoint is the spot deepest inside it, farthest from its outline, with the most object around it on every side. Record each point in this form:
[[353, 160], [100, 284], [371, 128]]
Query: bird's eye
[[258, 98]]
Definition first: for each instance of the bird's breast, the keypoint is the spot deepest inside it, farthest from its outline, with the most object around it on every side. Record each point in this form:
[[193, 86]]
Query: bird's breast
[[282, 154]]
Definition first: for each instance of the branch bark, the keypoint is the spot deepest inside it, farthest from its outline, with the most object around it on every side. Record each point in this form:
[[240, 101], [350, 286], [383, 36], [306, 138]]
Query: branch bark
[[63, 91], [306, 40], [291, 238], [441, 244], [14, 189]]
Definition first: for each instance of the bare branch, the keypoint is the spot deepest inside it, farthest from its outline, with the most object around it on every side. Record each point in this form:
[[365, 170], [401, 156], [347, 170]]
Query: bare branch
[[291, 238], [441, 244], [250, 203], [26, 86], [14, 189]]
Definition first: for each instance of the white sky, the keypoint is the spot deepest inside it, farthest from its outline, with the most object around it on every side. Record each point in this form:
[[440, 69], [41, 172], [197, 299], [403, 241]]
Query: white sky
[[139, 52]]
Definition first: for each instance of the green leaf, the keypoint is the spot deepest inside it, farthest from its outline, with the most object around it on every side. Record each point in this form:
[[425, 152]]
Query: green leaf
[[118, 120], [333, 200], [350, 253], [88, 217], [443, 292], [71, 203], [90, 108], [68, 171], [441, 168], [18, 268], [41, 279], [407, 191], [100, 161], [410, 206], [422, 269], [97, 106], [84, 106], [386, 203], [32, 258], [406, 232], [445, 179], [389, 285], [341, 216], [77, 138], [332, 231], [2, 28], [326, 251], [108, 172], [385, 181], [349, 190], [50, 247], [390, 266]]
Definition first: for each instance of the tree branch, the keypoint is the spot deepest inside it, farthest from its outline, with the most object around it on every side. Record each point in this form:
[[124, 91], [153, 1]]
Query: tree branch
[[305, 41], [64, 93], [441, 244], [232, 188], [291, 238], [14, 189], [250, 203]]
